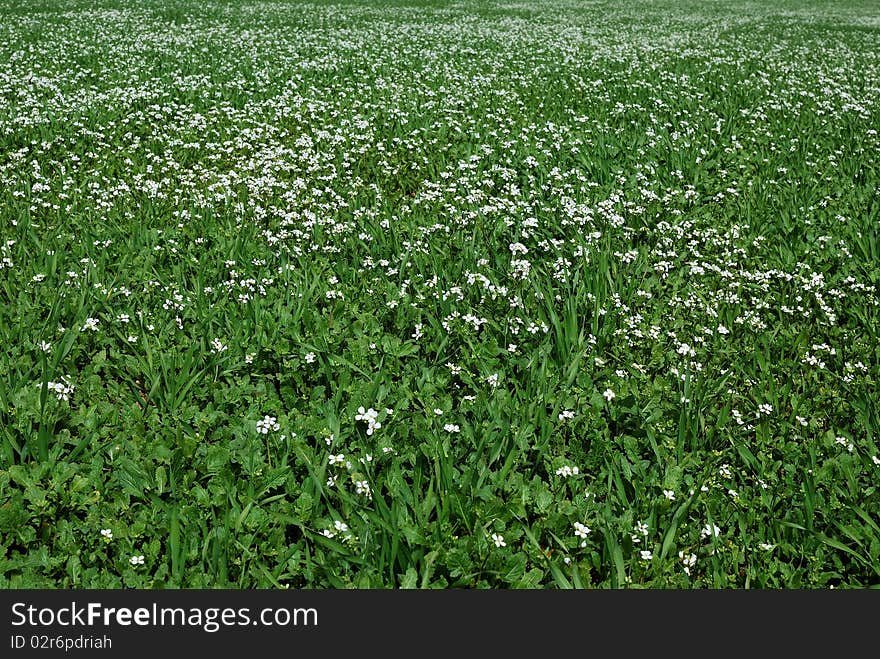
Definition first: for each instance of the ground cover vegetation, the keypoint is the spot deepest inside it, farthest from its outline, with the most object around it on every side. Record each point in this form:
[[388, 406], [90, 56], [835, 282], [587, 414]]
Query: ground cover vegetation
[[439, 294]]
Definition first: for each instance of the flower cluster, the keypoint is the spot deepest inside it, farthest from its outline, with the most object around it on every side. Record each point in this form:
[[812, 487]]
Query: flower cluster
[[62, 389], [266, 424], [370, 417]]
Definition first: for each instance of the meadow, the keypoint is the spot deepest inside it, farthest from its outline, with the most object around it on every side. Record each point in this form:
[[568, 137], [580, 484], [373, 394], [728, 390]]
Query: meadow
[[430, 294]]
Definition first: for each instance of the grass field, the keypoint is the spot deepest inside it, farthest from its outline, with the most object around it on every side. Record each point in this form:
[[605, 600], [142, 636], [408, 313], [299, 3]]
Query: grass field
[[439, 294]]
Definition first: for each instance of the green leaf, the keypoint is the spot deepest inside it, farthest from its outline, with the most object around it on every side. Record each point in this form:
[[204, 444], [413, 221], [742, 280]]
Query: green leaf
[[409, 579]]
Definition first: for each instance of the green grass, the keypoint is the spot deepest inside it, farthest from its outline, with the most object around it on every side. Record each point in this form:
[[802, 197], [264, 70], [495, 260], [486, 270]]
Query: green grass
[[595, 265]]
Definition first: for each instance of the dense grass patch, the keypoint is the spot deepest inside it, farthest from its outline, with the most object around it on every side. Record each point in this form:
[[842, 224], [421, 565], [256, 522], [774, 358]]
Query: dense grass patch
[[434, 294]]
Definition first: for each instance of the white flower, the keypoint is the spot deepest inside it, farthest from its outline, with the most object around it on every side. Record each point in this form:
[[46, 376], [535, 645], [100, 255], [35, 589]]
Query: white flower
[[685, 350], [493, 380], [646, 555], [438, 411], [498, 539], [581, 530], [266, 424], [369, 416], [669, 494], [342, 527], [366, 415], [709, 530], [137, 559], [363, 487], [217, 346], [766, 546], [336, 459], [565, 471], [309, 357], [875, 459], [566, 414], [451, 427], [843, 441], [107, 533], [641, 528], [90, 324], [765, 409], [688, 561], [45, 346], [62, 389], [609, 395]]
